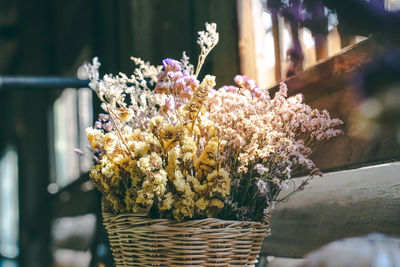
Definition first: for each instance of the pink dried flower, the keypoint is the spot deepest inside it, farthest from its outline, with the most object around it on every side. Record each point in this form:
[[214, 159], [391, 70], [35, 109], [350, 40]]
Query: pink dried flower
[[212, 92], [244, 82], [170, 103], [273, 135], [229, 88], [283, 89]]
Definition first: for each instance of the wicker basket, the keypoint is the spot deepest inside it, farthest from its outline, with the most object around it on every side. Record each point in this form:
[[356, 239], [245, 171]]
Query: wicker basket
[[137, 240]]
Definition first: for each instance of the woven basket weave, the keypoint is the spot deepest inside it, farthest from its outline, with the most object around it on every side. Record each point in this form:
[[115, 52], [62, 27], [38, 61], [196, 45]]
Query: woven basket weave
[[137, 240]]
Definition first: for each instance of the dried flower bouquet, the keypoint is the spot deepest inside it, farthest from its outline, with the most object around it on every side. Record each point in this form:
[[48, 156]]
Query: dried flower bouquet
[[189, 174], [170, 146]]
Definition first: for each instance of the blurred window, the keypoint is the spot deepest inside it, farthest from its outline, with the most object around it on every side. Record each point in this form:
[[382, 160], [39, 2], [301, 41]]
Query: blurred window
[[9, 205], [392, 5], [72, 113]]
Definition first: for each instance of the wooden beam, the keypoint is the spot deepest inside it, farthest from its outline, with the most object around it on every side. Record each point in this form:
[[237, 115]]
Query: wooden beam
[[338, 205], [277, 33], [346, 39], [332, 74], [248, 65], [321, 48], [320, 32]]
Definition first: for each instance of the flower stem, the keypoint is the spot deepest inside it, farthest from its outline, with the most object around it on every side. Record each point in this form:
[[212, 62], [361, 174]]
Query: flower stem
[[118, 130]]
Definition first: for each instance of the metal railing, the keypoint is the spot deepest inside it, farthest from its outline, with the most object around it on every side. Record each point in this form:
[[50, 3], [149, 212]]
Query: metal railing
[[40, 82]]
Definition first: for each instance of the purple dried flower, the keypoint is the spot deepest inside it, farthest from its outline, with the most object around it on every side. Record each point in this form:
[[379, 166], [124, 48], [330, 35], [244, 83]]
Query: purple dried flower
[[104, 117], [108, 126], [240, 80], [96, 159], [235, 182], [284, 186], [98, 125], [175, 83], [171, 65], [104, 123], [99, 152], [78, 151], [262, 187], [251, 84]]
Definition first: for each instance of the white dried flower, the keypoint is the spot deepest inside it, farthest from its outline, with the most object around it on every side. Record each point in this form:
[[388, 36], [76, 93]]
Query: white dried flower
[[186, 64], [144, 71], [112, 90], [209, 38], [207, 41], [261, 169]]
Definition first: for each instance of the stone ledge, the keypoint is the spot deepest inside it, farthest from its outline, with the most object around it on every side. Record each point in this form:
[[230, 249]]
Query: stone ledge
[[338, 205]]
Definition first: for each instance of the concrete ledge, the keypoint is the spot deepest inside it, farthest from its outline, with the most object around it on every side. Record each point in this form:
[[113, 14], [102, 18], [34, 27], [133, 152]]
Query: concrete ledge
[[338, 205], [283, 262]]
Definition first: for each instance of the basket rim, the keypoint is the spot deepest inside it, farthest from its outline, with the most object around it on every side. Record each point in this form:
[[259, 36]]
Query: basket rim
[[108, 216]]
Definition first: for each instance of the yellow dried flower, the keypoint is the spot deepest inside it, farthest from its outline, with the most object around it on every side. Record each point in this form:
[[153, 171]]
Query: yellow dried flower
[[196, 185], [115, 203], [217, 203], [173, 163], [156, 124], [145, 198], [219, 182], [189, 149], [199, 96], [215, 206], [178, 181], [159, 182], [144, 164], [130, 198], [167, 202], [95, 137], [183, 209], [207, 162], [171, 135], [202, 204], [124, 115]]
